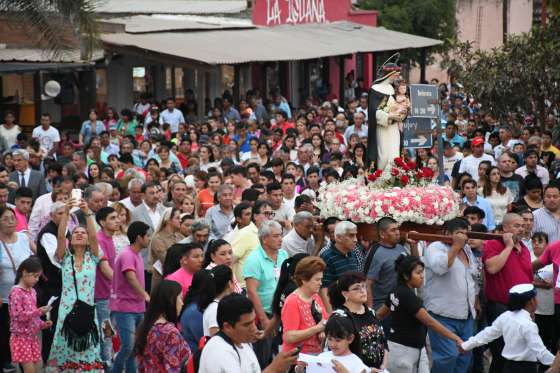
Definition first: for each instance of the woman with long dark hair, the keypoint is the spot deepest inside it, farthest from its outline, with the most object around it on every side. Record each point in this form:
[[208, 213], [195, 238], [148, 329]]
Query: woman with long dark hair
[[219, 252], [497, 194], [76, 342], [409, 319], [191, 317], [159, 345], [349, 293], [219, 285], [533, 198]]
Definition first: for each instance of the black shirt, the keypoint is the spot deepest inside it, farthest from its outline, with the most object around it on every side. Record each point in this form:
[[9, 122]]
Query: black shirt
[[406, 329], [515, 185], [372, 338]]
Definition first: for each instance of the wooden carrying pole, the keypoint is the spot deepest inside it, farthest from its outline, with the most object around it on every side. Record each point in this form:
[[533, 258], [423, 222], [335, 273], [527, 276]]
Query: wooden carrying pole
[[449, 239]]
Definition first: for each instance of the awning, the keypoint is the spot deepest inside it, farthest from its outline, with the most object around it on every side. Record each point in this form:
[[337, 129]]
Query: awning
[[281, 43], [171, 6], [168, 22], [27, 67]]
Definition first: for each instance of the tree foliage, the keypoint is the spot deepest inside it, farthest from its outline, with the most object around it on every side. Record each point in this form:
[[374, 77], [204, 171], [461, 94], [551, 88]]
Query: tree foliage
[[514, 77], [430, 18], [48, 21]]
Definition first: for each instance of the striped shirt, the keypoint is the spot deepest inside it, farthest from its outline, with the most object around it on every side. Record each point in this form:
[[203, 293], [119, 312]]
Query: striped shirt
[[547, 223], [337, 264]]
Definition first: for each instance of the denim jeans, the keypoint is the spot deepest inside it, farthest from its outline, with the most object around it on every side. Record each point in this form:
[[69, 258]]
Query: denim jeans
[[445, 356], [126, 323], [102, 308]]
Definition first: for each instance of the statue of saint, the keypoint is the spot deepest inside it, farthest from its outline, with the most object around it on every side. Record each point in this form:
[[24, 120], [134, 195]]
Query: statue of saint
[[384, 116]]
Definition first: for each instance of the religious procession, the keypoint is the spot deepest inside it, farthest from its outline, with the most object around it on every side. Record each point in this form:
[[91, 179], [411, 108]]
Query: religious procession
[[280, 186]]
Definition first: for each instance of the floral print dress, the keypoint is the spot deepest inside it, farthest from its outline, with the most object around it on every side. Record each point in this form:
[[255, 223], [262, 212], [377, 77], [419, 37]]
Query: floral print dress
[[62, 357], [165, 350]]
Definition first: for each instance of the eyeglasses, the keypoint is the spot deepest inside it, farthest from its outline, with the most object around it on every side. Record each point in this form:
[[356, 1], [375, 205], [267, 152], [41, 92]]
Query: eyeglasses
[[269, 214]]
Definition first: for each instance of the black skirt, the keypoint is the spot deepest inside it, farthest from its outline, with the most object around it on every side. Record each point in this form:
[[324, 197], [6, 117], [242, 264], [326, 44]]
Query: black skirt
[[511, 366]]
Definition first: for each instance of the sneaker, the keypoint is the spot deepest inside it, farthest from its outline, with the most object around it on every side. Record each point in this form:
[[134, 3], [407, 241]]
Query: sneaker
[[9, 368]]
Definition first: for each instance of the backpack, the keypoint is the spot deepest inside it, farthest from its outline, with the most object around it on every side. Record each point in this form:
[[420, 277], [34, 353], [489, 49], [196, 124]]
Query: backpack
[[192, 363]]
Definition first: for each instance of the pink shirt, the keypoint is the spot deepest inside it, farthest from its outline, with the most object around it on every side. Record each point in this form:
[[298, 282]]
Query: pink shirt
[[102, 283], [184, 279], [21, 221], [296, 315], [25, 317], [552, 255], [123, 296]]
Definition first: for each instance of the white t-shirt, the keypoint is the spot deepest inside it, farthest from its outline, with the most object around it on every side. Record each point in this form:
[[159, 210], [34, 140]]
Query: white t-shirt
[[470, 164], [46, 138], [173, 118], [218, 356], [449, 162], [10, 135], [351, 362], [209, 317]]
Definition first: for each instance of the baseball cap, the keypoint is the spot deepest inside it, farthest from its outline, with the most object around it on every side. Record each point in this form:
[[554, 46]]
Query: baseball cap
[[477, 141]]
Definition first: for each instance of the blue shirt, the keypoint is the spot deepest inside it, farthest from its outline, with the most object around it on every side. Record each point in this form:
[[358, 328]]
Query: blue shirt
[[87, 130], [260, 267], [191, 326], [485, 206], [246, 146], [284, 107], [456, 140], [337, 264]]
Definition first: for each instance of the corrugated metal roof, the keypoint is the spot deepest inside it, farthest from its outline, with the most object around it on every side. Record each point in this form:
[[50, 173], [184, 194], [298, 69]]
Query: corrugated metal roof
[[168, 22], [40, 55], [172, 6], [281, 43]]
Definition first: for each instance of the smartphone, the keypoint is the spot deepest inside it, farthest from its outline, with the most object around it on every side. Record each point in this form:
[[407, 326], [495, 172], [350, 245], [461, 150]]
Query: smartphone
[[76, 195], [297, 350]]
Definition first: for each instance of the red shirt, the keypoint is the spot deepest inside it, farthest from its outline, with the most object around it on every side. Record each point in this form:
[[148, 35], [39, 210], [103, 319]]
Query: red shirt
[[183, 159], [552, 255], [296, 315], [517, 270]]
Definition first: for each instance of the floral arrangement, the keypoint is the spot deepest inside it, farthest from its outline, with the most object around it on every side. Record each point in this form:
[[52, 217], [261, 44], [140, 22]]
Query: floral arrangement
[[400, 191], [400, 174]]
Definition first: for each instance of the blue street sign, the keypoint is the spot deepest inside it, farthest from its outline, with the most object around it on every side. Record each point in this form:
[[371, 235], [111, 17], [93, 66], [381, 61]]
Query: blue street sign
[[417, 133], [424, 100]]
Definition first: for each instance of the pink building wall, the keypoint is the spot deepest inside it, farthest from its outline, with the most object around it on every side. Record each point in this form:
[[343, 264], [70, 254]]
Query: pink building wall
[[272, 13], [480, 21]]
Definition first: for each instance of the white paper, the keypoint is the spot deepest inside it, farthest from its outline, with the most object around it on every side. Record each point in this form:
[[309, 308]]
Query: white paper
[[51, 301], [158, 267], [49, 304], [316, 364]]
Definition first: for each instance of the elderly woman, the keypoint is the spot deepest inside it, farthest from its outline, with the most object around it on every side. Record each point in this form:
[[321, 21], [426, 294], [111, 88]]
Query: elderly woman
[[303, 314], [167, 234], [73, 351], [220, 216], [14, 249]]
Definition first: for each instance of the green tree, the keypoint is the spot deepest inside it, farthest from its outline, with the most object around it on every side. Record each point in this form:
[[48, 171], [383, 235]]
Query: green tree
[[514, 77], [50, 20], [430, 18]]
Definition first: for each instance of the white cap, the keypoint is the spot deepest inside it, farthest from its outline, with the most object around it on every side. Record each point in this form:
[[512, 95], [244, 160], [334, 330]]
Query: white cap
[[522, 289]]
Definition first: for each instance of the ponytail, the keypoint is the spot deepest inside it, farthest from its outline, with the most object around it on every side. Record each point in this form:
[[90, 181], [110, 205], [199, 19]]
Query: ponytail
[[220, 277]]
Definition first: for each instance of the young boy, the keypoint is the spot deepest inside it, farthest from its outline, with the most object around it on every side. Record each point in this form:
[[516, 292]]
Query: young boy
[[523, 345]]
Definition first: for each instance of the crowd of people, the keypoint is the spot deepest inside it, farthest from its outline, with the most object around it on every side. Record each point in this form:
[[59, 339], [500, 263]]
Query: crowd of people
[[154, 240]]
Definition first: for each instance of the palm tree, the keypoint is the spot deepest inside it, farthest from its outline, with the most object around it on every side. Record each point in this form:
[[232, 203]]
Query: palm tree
[[50, 20]]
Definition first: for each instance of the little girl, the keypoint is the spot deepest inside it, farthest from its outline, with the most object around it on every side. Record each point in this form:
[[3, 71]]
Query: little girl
[[25, 317], [343, 343]]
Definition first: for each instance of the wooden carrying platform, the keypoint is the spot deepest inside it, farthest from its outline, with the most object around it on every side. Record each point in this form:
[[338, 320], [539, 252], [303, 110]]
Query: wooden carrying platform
[[421, 232]]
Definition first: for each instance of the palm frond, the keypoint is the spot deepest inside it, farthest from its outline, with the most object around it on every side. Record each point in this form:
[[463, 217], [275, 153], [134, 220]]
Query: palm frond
[[50, 20]]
